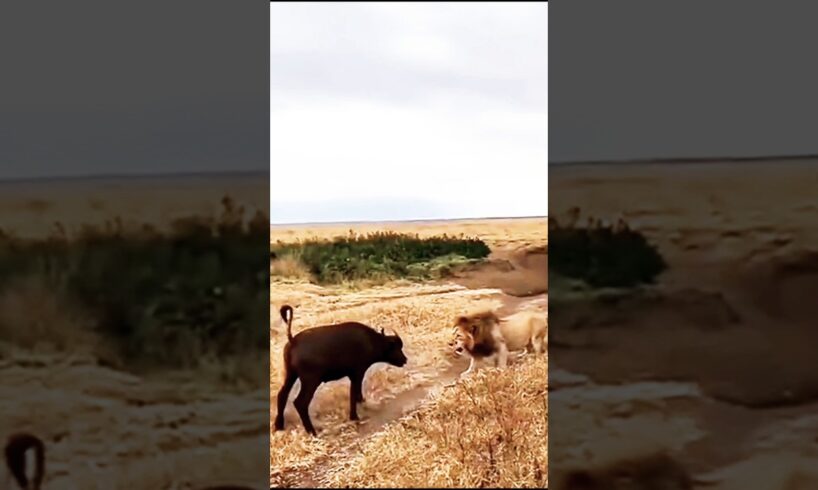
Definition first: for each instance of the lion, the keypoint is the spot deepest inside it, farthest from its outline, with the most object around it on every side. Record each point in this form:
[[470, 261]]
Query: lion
[[486, 337]]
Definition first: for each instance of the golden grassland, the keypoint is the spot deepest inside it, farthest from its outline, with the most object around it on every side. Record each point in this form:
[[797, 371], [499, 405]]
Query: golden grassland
[[711, 207], [415, 431], [491, 430], [500, 233]]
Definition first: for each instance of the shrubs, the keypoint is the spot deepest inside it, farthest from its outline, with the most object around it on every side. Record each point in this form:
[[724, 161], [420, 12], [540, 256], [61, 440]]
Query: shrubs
[[163, 298], [383, 255], [603, 256]]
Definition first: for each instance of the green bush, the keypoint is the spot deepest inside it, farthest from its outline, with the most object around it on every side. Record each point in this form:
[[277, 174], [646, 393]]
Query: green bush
[[382, 255], [165, 299], [602, 257]]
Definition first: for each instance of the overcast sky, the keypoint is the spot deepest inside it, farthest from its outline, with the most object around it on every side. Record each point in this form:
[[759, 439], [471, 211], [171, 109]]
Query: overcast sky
[[95, 87], [646, 79], [389, 111]]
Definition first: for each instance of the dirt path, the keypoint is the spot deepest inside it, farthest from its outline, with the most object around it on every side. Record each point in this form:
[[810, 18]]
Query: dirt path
[[521, 273], [390, 411]]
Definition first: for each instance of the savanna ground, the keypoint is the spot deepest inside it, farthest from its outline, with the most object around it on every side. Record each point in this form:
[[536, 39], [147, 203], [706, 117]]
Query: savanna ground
[[110, 420], [715, 364], [415, 431]]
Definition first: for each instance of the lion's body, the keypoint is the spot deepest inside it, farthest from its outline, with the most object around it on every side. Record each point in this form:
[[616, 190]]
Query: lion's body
[[524, 329]]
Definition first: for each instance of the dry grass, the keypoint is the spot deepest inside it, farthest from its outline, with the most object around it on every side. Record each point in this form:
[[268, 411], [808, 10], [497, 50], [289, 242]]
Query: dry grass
[[449, 438], [33, 317], [290, 267], [488, 431], [423, 316], [655, 199]]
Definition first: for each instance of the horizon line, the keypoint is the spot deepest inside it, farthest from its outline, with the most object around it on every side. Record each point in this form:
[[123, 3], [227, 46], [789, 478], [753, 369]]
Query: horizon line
[[215, 173], [689, 160], [136, 176], [421, 220]]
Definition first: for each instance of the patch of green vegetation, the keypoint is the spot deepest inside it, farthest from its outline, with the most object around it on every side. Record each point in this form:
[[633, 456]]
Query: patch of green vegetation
[[602, 257], [382, 256], [165, 299]]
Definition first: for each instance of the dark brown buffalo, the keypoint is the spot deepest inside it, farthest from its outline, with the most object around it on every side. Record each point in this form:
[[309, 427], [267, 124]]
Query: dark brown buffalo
[[328, 353]]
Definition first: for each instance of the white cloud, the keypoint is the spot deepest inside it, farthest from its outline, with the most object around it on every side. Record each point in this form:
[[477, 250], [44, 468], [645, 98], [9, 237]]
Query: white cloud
[[391, 102], [425, 50]]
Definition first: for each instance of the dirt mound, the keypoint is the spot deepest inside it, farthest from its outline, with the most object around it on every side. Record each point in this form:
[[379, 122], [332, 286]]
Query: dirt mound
[[650, 335], [648, 472], [700, 310], [518, 273], [782, 287]]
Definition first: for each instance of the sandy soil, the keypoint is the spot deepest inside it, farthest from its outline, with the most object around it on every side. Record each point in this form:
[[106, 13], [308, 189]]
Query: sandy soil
[[106, 428], [514, 278], [715, 365]]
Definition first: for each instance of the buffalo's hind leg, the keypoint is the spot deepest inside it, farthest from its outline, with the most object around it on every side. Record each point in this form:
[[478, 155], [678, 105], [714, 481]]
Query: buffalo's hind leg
[[284, 393], [302, 401]]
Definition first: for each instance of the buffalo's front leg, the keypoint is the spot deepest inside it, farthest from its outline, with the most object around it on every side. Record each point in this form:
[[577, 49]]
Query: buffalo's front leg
[[355, 395]]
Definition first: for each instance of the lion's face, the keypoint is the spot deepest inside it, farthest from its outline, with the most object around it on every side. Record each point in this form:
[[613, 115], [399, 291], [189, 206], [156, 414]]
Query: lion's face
[[472, 330], [457, 346]]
